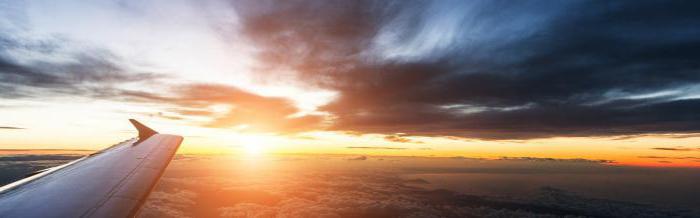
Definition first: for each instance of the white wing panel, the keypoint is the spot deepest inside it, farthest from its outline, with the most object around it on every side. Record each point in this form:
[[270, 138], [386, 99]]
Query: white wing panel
[[113, 183]]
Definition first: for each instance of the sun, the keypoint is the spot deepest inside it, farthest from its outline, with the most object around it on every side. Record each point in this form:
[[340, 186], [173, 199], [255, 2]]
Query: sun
[[253, 145], [252, 149]]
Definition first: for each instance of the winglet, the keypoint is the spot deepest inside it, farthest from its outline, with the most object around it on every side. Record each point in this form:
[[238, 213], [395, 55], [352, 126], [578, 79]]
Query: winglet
[[144, 131]]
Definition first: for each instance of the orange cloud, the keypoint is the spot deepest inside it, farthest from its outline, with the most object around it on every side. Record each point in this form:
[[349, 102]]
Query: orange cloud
[[258, 113]]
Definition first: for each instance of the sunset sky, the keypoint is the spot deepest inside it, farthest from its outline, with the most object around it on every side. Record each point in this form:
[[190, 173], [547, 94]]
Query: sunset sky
[[598, 80]]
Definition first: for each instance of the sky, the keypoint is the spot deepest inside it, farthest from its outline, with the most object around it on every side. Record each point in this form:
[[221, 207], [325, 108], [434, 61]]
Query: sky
[[609, 81]]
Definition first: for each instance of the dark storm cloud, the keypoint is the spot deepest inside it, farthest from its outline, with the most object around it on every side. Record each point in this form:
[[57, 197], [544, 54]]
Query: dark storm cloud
[[490, 69]]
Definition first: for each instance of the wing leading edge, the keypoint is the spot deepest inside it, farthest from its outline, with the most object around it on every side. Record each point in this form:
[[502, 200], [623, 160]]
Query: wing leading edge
[[113, 182]]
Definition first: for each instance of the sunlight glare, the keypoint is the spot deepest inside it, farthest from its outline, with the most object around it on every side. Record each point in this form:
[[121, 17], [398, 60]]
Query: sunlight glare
[[253, 145]]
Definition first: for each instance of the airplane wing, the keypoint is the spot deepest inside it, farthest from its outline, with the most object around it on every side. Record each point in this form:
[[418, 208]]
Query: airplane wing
[[113, 182]]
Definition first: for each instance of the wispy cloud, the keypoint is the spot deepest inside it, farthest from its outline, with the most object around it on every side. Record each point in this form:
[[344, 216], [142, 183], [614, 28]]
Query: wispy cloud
[[358, 158], [65, 70], [671, 158], [675, 149], [573, 160], [401, 139], [376, 147]]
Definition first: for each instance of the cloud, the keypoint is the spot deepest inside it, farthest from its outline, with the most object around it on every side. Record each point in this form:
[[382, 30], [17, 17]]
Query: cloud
[[259, 113], [16, 166], [29, 152], [675, 149], [196, 186], [416, 181], [401, 139], [169, 204], [10, 127], [574, 160], [30, 157], [247, 210], [653, 157], [671, 158], [57, 67], [489, 69], [358, 158], [476, 69], [377, 147], [97, 73], [367, 192]]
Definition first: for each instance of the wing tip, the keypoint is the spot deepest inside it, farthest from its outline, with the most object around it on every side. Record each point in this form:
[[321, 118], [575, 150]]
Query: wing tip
[[144, 131]]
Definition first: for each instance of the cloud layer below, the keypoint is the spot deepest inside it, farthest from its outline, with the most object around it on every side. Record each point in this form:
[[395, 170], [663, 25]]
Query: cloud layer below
[[334, 186]]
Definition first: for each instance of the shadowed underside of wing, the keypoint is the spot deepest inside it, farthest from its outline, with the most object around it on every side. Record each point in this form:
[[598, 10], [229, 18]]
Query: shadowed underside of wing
[[110, 183]]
